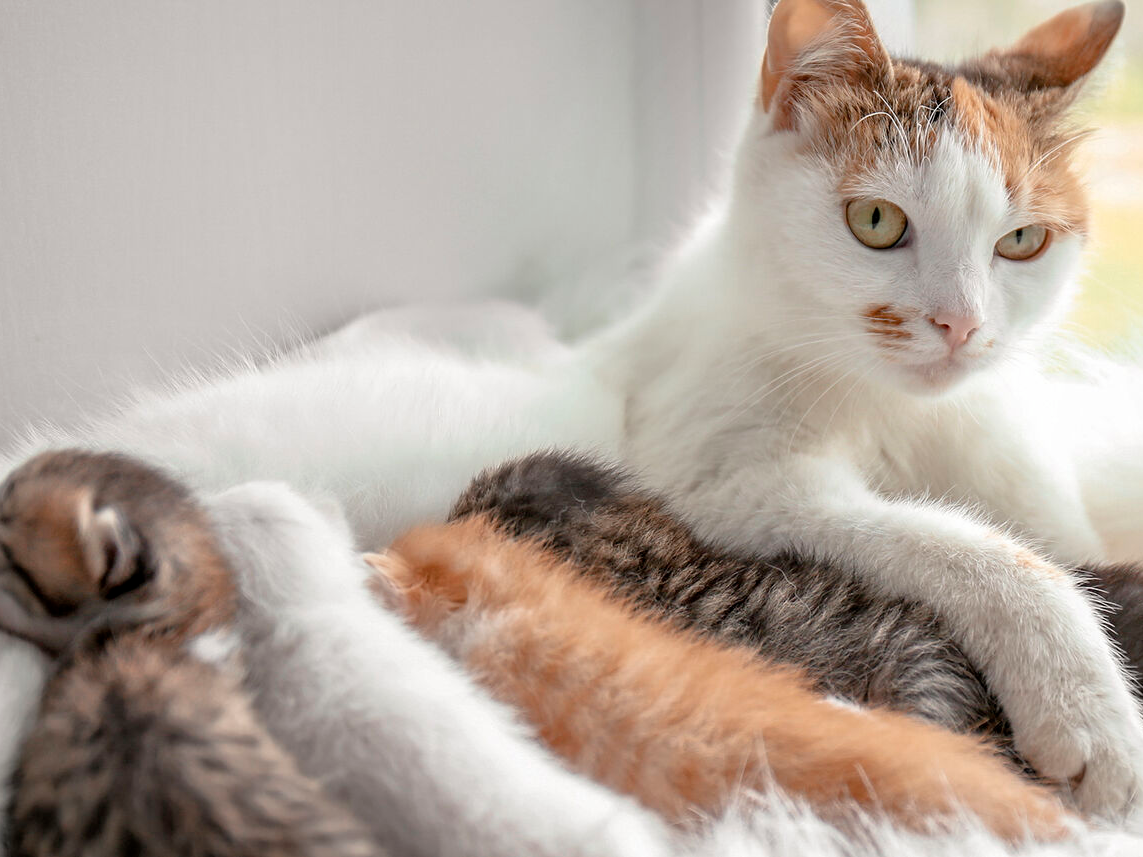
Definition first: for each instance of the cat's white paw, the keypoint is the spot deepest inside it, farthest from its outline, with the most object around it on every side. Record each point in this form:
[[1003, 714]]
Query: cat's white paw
[[1100, 760], [1112, 783]]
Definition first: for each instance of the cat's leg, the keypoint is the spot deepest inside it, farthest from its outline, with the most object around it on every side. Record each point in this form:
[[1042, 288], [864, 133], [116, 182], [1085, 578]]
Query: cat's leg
[[384, 719], [1022, 620]]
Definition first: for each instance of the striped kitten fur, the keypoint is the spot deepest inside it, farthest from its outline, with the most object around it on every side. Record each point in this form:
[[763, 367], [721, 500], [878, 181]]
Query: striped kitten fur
[[142, 749], [813, 614]]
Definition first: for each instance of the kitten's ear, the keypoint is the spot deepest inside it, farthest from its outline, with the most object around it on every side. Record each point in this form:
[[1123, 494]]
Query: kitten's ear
[[1065, 48], [110, 546], [393, 578], [813, 43]]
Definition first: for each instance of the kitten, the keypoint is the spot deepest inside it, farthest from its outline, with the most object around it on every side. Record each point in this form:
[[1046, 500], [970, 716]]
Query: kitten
[[102, 548], [142, 749], [812, 614], [844, 363], [678, 721]]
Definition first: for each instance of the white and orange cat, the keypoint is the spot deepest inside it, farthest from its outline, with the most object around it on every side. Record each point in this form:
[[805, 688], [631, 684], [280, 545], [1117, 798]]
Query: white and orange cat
[[843, 362]]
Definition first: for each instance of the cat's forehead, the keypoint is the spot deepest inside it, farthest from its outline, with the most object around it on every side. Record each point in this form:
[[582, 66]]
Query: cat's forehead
[[1019, 131]]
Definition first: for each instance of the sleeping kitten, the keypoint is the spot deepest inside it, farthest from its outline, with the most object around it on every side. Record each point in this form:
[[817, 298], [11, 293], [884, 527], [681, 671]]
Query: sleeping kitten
[[844, 363], [812, 614], [678, 721], [100, 547], [142, 749]]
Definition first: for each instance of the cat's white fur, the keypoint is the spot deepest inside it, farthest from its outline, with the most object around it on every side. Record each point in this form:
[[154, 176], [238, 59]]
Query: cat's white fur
[[383, 719], [394, 430]]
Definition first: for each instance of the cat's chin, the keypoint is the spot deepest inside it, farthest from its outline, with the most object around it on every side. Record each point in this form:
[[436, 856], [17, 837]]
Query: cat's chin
[[935, 378]]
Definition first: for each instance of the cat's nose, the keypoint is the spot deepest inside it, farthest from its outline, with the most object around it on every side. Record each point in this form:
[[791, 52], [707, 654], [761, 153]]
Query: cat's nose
[[956, 329]]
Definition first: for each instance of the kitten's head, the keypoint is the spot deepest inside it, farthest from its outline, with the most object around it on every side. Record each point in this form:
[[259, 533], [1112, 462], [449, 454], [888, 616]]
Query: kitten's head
[[916, 219], [426, 590], [434, 574], [81, 530]]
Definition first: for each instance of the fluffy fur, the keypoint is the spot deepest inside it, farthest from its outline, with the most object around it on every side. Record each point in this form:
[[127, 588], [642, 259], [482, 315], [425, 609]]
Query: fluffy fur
[[141, 749], [678, 721], [383, 719], [790, 389]]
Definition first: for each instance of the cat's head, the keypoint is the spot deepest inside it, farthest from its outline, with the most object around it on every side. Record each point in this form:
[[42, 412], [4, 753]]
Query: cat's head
[[914, 222]]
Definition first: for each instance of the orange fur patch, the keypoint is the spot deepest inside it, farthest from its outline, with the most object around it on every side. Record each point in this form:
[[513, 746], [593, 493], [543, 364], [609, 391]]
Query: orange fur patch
[[681, 721], [886, 322]]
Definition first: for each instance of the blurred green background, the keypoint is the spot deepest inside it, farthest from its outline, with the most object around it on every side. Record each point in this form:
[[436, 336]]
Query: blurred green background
[[1109, 309]]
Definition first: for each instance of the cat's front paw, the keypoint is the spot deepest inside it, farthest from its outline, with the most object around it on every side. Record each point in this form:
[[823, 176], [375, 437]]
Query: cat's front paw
[[1100, 761]]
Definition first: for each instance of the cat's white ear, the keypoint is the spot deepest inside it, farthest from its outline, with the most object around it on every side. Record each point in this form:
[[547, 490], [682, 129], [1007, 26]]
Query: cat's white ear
[[812, 43], [1065, 48], [110, 546]]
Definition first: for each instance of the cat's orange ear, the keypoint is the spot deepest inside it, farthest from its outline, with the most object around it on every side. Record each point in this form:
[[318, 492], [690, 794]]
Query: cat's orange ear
[[1065, 48], [813, 43]]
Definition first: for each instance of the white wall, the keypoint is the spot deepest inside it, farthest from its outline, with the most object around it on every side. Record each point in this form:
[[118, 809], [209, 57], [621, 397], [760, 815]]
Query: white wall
[[183, 177]]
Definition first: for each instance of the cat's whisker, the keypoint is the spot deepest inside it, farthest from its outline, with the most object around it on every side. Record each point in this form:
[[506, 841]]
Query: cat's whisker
[[798, 426], [792, 348], [896, 120], [1044, 158], [857, 382], [790, 375]]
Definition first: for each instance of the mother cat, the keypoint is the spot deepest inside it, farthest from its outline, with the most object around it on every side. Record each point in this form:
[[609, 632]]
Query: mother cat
[[914, 225]]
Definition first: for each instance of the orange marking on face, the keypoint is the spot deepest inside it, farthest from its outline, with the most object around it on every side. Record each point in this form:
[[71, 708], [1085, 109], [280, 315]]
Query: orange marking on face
[[886, 322]]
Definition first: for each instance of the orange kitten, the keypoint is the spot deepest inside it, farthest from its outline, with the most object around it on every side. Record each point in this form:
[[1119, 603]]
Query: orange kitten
[[678, 721]]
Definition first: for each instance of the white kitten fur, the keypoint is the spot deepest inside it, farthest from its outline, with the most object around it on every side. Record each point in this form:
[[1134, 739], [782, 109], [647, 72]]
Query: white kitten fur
[[760, 403], [383, 719]]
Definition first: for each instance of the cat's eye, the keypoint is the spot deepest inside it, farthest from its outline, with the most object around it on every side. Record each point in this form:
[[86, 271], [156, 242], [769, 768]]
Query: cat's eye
[[1022, 244], [876, 223]]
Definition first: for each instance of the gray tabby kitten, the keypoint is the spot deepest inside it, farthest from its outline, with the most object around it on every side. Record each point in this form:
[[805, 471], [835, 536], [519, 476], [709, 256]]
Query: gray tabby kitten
[[140, 749], [798, 610]]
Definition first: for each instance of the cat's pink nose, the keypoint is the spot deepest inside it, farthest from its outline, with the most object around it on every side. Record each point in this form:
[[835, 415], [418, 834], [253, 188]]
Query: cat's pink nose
[[956, 329]]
